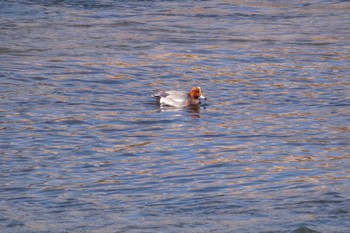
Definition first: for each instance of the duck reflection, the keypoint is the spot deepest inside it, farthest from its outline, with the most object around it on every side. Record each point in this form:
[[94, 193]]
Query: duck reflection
[[192, 110]]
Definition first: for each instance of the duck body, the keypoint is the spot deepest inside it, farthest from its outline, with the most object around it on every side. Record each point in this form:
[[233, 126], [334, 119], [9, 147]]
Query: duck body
[[180, 98]]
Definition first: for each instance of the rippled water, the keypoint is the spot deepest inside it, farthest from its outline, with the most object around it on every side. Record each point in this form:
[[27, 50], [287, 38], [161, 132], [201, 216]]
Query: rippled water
[[84, 147]]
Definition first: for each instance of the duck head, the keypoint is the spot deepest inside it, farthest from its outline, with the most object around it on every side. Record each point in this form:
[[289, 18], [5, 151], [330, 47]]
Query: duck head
[[196, 95]]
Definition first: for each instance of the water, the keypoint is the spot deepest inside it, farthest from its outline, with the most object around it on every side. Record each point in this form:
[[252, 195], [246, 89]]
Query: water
[[84, 147]]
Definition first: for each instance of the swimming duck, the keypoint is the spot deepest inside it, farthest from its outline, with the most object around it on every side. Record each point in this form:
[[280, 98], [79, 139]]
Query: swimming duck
[[181, 99]]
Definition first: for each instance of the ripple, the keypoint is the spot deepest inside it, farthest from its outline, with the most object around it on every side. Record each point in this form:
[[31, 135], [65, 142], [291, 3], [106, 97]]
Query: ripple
[[85, 147]]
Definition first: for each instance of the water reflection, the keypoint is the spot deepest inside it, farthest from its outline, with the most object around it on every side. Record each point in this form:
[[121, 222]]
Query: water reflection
[[82, 141], [192, 110]]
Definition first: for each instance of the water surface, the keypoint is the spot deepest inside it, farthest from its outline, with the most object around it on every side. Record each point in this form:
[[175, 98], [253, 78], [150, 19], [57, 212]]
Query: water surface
[[84, 147]]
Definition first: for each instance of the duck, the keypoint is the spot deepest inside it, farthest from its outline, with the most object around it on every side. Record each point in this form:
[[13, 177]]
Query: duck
[[181, 98]]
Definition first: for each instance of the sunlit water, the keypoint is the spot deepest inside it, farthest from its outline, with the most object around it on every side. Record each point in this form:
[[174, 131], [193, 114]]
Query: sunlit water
[[85, 148]]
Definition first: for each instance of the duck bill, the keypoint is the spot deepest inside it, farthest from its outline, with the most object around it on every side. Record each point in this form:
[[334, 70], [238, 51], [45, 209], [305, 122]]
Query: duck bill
[[202, 100]]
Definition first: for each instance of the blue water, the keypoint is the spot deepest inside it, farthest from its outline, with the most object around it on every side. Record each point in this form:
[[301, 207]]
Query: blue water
[[85, 148]]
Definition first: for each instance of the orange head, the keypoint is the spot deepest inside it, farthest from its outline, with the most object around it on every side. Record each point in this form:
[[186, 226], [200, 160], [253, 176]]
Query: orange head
[[196, 92]]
